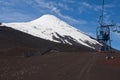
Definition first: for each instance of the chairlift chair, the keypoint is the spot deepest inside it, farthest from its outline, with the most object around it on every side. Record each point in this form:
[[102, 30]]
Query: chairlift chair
[[114, 29], [118, 29]]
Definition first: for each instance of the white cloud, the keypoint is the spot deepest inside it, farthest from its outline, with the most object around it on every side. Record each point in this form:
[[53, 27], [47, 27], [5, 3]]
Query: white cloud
[[69, 1], [52, 6], [84, 6], [29, 2], [48, 5], [15, 17], [87, 5], [72, 20], [64, 6], [9, 12], [6, 3], [43, 7]]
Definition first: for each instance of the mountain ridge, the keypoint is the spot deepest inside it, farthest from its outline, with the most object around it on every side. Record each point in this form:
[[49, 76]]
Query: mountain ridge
[[51, 28]]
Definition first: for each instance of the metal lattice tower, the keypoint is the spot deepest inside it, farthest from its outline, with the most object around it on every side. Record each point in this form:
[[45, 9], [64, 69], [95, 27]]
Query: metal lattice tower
[[103, 32]]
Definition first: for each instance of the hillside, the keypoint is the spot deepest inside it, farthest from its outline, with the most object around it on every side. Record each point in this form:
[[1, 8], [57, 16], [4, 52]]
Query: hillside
[[16, 42], [50, 49], [49, 27]]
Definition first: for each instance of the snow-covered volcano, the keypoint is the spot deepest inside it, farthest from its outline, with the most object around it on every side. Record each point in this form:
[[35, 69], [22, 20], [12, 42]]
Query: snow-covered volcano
[[51, 28]]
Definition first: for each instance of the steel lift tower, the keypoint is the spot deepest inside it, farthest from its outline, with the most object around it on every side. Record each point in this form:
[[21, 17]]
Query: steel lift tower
[[103, 32]]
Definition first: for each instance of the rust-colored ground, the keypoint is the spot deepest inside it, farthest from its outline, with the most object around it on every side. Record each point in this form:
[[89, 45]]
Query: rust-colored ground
[[60, 66]]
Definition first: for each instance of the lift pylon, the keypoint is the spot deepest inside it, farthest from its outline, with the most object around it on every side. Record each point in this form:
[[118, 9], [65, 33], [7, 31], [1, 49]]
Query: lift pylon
[[103, 32]]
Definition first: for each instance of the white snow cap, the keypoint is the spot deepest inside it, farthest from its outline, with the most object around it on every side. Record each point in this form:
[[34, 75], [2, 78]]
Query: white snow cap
[[48, 26]]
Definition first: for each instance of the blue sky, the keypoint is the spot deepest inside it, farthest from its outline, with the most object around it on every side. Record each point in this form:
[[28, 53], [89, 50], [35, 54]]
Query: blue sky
[[82, 14]]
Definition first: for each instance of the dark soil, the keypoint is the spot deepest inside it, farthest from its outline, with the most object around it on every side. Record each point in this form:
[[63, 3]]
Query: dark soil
[[46, 60]]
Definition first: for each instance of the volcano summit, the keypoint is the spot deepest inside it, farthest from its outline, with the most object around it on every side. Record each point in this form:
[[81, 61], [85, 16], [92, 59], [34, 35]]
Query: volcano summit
[[50, 28]]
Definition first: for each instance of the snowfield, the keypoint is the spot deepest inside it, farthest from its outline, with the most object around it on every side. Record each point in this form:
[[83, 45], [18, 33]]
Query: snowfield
[[51, 28]]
